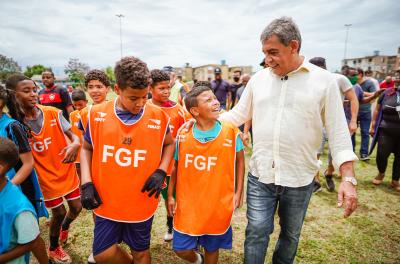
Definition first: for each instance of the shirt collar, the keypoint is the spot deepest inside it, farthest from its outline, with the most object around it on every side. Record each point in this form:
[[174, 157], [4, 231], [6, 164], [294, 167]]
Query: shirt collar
[[304, 67]]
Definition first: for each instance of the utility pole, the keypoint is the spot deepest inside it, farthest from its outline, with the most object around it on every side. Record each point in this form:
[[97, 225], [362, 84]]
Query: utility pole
[[345, 41], [120, 16]]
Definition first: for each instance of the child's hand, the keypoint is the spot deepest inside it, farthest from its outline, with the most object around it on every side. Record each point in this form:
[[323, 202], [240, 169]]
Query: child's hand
[[154, 183], [238, 200], [171, 206], [70, 152]]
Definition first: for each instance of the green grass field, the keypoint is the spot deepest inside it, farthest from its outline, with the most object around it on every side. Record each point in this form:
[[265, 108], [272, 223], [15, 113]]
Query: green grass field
[[370, 235]]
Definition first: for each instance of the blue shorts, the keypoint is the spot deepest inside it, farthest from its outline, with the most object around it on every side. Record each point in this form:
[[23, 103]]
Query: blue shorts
[[108, 233], [209, 242]]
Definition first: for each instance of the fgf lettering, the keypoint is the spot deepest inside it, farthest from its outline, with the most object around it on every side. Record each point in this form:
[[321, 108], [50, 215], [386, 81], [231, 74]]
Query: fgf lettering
[[122, 156], [40, 146], [200, 162]]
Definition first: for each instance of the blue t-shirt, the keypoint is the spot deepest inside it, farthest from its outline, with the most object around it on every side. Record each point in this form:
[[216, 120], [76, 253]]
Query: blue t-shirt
[[367, 86], [126, 117], [205, 136]]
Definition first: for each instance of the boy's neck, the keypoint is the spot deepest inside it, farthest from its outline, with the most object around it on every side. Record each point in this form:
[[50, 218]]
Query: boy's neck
[[3, 182], [157, 103], [205, 124], [30, 113]]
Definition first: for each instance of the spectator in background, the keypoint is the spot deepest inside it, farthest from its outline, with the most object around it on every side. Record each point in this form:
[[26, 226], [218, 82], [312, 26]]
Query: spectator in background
[[364, 113], [175, 84], [55, 95], [368, 76], [235, 85], [385, 128], [221, 89], [387, 83]]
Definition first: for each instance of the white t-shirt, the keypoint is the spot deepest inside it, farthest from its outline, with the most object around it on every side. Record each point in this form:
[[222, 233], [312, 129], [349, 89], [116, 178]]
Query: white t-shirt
[[343, 83]]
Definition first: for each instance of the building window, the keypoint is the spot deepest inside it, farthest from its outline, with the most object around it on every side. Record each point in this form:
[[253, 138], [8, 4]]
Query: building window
[[354, 62], [369, 60]]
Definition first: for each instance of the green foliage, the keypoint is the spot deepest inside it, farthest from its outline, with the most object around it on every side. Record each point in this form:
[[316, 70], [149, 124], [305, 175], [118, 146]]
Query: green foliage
[[110, 74], [36, 69], [76, 71], [7, 67]]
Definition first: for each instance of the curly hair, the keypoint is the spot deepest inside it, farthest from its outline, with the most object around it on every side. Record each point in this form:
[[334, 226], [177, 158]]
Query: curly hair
[[158, 76], [132, 72], [98, 75], [202, 83]]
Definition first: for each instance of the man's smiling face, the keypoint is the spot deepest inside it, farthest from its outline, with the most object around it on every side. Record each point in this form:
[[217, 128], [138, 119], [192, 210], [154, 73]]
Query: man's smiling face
[[278, 56]]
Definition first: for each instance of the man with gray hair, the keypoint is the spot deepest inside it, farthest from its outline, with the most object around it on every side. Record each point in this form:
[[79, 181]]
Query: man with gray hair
[[289, 102]]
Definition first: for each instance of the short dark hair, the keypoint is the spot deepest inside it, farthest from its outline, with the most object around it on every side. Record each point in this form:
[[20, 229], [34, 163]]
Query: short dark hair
[[132, 72], [191, 97], [360, 71], [203, 83], [368, 72], [98, 75], [238, 70], [48, 71], [159, 76], [8, 153], [318, 61], [78, 95]]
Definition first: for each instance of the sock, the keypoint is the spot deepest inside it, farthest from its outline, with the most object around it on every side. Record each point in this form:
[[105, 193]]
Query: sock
[[53, 242], [169, 223], [66, 223]]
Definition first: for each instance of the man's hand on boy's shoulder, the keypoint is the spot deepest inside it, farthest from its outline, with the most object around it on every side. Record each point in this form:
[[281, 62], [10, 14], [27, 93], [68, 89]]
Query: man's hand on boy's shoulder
[[154, 183]]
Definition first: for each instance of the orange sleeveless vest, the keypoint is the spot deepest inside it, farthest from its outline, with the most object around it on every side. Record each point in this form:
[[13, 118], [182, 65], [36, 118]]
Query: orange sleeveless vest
[[205, 187], [84, 116], [56, 179], [74, 118], [123, 158], [177, 119]]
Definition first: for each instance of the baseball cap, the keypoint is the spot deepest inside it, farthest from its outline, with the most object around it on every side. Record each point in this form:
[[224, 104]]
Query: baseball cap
[[319, 61], [217, 71], [168, 69]]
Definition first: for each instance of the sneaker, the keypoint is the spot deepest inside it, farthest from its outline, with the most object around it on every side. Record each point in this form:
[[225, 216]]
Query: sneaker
[[90, 259], [63, 236], [364, 157], [58, 255], [317, 187], [330, 184]]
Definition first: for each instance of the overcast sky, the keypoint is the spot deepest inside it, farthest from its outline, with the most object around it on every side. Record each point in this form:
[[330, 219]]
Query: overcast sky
[[174, 32]]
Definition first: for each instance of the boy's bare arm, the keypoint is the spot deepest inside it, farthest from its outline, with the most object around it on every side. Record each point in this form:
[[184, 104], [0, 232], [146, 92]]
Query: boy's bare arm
[[240, 169], [39, 251], [167, 152], [86, 162], [20, 250], [70, 152], [171, 190]]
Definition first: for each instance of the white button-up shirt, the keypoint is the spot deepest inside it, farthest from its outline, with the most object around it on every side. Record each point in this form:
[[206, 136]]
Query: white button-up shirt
[[288, 115]]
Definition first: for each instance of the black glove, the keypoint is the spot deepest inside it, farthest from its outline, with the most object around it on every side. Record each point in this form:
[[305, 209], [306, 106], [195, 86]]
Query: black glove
[[154, 183], [90, 198]]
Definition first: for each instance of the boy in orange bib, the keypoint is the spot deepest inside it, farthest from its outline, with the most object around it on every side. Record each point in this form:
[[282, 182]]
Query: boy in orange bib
[[160, 90], [209, 161], [54, 159], [79, 101], [126, 151]]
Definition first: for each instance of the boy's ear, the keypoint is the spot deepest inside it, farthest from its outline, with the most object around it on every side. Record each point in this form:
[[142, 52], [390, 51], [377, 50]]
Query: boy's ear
[[116, 89], [194, 111], [3, 169]]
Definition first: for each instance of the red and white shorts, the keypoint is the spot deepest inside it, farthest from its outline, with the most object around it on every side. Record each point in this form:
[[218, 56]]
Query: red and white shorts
[[75, 194]]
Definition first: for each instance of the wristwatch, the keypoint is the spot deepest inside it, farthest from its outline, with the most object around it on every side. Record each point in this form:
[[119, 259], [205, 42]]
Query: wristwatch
[[350, 179]]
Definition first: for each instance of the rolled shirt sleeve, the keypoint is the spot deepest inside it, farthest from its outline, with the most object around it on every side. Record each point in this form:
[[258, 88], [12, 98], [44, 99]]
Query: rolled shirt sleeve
[[336, 126]]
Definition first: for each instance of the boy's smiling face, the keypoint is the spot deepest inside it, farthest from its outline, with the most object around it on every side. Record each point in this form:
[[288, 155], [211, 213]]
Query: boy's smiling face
[[161, 91], [208, 106], [97, 91], [132, 100], [80, 104]]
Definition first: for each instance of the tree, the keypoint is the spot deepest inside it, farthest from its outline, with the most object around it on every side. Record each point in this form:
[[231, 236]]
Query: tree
[[110, 74], [76, 70], [35, 70], [7, 67]]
